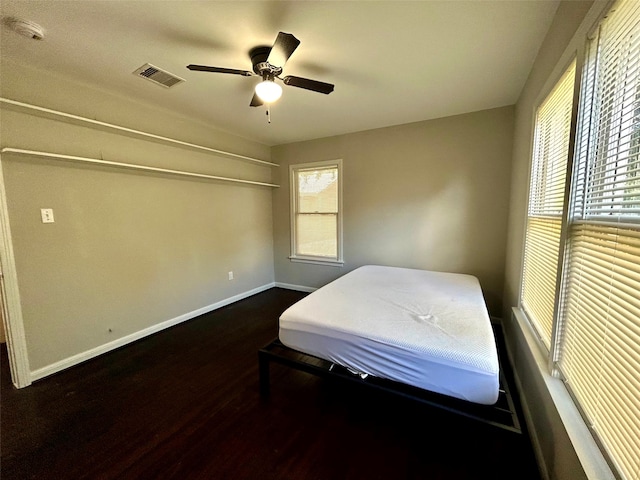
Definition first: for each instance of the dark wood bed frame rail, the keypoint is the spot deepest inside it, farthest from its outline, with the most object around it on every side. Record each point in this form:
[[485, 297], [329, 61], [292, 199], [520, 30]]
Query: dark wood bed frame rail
[[503, 414]]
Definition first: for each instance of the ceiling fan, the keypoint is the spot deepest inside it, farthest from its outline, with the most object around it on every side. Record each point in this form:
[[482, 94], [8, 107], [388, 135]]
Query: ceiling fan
[[268, 63]]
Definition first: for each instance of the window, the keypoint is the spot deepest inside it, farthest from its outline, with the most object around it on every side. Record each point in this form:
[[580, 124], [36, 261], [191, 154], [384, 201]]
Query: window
[[546, 205], [316, 219], [599, 352], [594, 332]]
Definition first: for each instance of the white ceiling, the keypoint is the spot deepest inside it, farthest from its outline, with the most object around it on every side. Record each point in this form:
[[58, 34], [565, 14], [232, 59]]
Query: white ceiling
[[392, 62]]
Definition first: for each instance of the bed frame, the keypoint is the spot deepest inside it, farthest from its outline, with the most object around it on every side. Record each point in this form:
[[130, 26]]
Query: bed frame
[[503, 414]]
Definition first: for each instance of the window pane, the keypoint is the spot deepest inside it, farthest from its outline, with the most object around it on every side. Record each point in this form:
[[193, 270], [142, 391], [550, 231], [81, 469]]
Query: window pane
[[600, 357], [318, 190], [541, 264], [546, 204], [609, 187], [317, 235]]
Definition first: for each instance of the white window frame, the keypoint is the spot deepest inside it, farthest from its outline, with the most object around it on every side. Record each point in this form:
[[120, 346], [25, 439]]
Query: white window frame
[[592, 453], [338, 260], [544, 210]]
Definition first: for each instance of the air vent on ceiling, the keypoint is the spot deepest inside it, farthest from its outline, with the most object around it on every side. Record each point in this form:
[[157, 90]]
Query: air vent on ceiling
[[158, 76]]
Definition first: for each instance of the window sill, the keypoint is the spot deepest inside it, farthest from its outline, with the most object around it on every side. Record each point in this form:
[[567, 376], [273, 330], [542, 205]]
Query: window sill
[[317, 261], [593, 462]]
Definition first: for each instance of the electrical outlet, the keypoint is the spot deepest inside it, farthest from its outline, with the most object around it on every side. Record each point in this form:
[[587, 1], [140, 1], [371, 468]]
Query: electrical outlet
[[47, 215], [230, 275]]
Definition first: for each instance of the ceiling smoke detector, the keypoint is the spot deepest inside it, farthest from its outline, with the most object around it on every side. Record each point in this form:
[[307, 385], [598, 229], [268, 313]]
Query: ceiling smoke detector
[[26, 28]]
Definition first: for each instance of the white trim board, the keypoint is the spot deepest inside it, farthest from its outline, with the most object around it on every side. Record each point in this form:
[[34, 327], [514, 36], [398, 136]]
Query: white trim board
[[589, 455], [299, 288], [107, 347], [12, 314]]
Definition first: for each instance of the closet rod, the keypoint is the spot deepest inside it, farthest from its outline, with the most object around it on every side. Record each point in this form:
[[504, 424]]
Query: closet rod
[[95, 161], [131, 131]]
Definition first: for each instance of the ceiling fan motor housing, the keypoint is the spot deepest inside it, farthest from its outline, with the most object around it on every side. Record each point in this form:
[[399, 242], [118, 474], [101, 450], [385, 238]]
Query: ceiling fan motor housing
[[261, 67]]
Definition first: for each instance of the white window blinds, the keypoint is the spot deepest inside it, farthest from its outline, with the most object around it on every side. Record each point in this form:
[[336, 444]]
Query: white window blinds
[[546, 203], [608, 186], [598, 346]]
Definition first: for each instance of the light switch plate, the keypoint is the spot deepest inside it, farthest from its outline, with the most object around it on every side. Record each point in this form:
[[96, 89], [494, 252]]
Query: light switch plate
[[47, 215]]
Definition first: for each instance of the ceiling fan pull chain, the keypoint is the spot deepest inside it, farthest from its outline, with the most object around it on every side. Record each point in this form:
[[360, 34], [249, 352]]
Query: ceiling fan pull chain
[[269, 113]]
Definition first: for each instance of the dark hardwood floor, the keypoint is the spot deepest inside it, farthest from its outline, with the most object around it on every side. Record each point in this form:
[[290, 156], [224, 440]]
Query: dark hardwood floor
[[185, 404]]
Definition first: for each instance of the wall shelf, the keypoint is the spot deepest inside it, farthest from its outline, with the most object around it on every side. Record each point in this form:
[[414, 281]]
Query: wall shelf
[[129, 166], [125, 130]]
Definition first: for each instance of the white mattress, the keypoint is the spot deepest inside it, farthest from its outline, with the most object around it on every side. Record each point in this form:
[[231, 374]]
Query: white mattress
[[426, 329]]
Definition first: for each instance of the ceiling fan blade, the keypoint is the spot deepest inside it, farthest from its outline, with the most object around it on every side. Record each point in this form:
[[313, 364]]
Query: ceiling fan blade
[[282, 49], [307, 84], [205, 68], [255, 101]]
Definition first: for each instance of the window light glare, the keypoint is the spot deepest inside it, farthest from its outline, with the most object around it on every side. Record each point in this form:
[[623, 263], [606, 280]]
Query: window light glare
[[268, 91]]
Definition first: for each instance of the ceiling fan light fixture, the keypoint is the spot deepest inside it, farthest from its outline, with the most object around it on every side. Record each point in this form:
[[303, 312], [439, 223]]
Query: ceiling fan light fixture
[[268, 91]]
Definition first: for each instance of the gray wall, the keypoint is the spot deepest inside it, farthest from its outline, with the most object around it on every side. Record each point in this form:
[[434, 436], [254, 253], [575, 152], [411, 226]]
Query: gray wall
[[430, 195], [127, 250]]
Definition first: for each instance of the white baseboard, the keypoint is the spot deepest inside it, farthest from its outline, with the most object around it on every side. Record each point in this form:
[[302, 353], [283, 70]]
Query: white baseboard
[[299, 288], [107, 347]]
